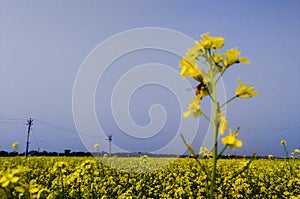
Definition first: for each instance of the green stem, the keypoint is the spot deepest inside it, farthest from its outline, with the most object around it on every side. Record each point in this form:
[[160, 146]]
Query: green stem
[[196, 158], [188, 146], [221, 153], [215, 130], [206, 117], [286, 152], [244, 168], [221, 75], [210, 96], [287, 158], [228, 101]]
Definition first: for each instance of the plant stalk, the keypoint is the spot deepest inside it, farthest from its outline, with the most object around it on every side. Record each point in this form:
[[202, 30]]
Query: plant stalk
[[228, 101], [215, 151]]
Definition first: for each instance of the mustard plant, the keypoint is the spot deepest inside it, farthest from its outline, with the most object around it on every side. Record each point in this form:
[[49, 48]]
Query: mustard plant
[[208, 52], [96, 147], [15, 146]]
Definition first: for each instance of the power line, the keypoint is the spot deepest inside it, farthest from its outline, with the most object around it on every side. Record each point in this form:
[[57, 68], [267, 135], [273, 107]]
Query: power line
[[48, 124], [66, 130], [11, 122], [55, 126], [90, 135], [55, 140], [42, 123], [14, 119], [36, 142]]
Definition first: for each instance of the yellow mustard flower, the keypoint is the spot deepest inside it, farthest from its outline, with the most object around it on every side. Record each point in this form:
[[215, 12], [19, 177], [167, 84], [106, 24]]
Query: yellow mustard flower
[[96, 146], [244, 91], [222, 123], [296, 151], [231, 57], [217, 59], [61, 166], [209, 42], [190, 68], [194, 107], [283, 142], [9, 177], [195, 52], [15, 145], [203, 151], [231, 140]]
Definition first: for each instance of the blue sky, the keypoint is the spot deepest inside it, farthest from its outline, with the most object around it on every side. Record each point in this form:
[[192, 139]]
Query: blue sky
[[43, 44]]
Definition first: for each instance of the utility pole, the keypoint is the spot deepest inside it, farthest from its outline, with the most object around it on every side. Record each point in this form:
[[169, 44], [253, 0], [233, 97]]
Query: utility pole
[[29, 123], [109, 138]]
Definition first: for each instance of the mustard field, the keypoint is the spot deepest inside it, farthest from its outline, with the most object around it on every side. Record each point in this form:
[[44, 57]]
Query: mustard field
[[144, 177]]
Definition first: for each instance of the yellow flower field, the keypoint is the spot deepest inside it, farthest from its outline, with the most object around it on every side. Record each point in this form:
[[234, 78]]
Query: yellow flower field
[[83, 177]]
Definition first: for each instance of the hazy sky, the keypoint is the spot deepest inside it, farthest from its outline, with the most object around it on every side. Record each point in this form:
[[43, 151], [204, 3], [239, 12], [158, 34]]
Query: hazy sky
[[44, 43]]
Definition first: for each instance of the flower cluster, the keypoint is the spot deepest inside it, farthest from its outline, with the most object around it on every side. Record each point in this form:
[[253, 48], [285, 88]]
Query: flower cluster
[[206, 52], [15, 145]]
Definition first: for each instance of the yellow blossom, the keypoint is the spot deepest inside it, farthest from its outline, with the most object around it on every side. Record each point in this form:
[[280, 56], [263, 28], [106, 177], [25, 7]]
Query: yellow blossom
[[222, 123], [203, 151], [231, 140], [195, 52], [189, 64], [190, 68], [231, 57], [283, 142], [194, 107], [61, 166], [296, 151], [244, 91], [9, 177], [217, 58], [209, 42], [15, 145], [96, 146]]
